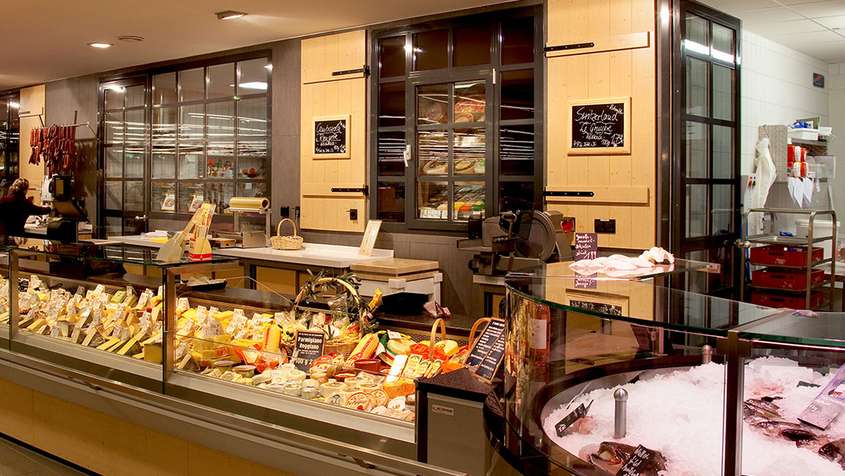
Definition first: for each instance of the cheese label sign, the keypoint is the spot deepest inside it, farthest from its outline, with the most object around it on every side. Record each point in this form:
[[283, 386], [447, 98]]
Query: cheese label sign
[[308, 347]]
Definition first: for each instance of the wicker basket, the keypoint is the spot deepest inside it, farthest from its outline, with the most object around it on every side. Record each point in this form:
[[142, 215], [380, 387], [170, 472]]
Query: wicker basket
[[287, 242], [344, 347]]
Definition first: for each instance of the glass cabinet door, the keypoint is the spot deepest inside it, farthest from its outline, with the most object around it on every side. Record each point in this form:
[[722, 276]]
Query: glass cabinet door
[[452, 148], [125, 135]]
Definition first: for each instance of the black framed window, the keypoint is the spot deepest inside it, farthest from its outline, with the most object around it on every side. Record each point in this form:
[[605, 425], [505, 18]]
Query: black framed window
[[205, 139], [457, 119], [706, 55], [9, 136]]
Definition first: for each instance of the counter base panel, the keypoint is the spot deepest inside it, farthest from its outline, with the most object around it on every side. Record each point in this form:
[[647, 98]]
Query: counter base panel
[[110, 428]]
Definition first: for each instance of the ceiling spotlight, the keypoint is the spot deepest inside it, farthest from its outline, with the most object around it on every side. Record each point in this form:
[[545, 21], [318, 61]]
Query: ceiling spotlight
[[131, 38], [100, 45], [229, 15]]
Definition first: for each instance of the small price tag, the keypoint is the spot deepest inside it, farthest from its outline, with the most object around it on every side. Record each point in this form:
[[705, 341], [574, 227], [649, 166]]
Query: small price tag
[[586, 246], [393, 335], [572, 417], [635, 464]]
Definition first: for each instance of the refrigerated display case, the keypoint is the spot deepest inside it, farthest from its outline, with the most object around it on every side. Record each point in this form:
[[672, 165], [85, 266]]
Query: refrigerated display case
[[166, 344], [691, 384]]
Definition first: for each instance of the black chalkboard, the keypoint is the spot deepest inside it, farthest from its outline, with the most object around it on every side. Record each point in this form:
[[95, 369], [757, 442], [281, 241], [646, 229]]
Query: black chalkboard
[[485, 342], [572, 417], [490, 363], [307, 348], [586, 246], [639, 461], [330, 136], [598, 126]]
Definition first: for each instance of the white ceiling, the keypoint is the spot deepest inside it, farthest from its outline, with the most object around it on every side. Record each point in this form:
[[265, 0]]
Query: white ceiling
[[813, 27], [44, 40]]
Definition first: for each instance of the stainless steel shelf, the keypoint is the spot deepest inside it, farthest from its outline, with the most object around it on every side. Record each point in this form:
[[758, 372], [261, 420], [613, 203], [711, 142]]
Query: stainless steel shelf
[[785, 240]]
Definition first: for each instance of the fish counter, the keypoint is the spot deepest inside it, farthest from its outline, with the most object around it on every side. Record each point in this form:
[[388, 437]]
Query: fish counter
[[697, 385]]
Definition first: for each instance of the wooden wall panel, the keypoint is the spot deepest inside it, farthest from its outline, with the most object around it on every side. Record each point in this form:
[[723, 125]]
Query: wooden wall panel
[[107, 445], [324, 55], [626, 72], [324, 95], [32, 102]]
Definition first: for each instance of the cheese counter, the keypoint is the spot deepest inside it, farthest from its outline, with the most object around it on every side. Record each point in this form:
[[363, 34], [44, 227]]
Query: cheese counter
[[257, 365]]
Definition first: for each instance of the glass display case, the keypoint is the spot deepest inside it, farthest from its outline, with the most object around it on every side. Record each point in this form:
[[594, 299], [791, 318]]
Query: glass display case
[[96, 309], [604, 376], [112, 315]]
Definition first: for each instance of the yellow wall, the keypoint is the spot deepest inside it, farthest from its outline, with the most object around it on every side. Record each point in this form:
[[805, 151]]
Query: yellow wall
[[620, 65], [106, 445], [32, 102]]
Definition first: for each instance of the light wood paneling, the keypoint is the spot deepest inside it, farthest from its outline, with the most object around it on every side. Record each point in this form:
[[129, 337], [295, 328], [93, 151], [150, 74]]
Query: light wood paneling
[[107, 445], [279, 280], [621, 73], [32, 102], [326, 95], [324, 55]]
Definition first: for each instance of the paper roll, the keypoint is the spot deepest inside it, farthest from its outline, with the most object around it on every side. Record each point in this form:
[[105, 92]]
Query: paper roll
[[249, 203]]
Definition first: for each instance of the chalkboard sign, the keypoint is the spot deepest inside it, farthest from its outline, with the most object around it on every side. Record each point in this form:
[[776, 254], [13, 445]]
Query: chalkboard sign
[[600, 126], [485, 342], [307, 348], [641, 461], [331, 137], [572, 417], [490, 363], [586, 246]]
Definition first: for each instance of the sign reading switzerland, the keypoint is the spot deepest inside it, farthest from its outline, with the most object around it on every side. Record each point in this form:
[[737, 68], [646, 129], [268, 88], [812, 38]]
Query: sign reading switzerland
[[598, 126]]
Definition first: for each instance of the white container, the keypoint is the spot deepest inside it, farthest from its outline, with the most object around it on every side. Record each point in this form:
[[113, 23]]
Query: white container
[[825, 131], [821, 228], [804, 134]]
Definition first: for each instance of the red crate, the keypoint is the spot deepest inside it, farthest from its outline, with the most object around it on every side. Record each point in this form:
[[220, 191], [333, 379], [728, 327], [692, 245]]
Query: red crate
[[796, 301], [779, 255], [783, 279]]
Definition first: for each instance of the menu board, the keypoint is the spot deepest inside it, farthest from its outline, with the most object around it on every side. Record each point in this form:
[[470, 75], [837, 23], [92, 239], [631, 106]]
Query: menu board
[[600, 126], [490, 363], [494, 329], [307, 348], [331, 137]]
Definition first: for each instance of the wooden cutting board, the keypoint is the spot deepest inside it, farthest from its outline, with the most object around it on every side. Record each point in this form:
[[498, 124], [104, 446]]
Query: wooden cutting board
[[395, 266]]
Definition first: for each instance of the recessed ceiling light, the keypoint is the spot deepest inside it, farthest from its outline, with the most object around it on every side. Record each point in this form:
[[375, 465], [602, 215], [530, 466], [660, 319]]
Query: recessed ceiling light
[[131, 38], [100, 45], [229, 15]]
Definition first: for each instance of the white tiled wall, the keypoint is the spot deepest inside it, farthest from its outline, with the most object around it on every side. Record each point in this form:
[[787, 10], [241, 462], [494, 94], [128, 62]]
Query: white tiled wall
[[777, 88], [836, 89]]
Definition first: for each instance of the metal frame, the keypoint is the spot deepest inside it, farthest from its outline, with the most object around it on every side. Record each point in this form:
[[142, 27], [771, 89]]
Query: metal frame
[[147, 75], [807, 243], [492, 74], [677, 217]]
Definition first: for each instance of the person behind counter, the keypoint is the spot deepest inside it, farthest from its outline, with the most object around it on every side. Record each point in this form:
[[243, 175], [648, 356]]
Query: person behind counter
[[16, 207]]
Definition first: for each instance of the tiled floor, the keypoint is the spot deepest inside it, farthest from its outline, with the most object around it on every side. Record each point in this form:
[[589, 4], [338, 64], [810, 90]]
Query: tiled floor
[[18, 461]]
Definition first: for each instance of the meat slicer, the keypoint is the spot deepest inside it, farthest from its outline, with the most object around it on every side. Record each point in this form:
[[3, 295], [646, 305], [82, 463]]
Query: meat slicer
[[517, 241]]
